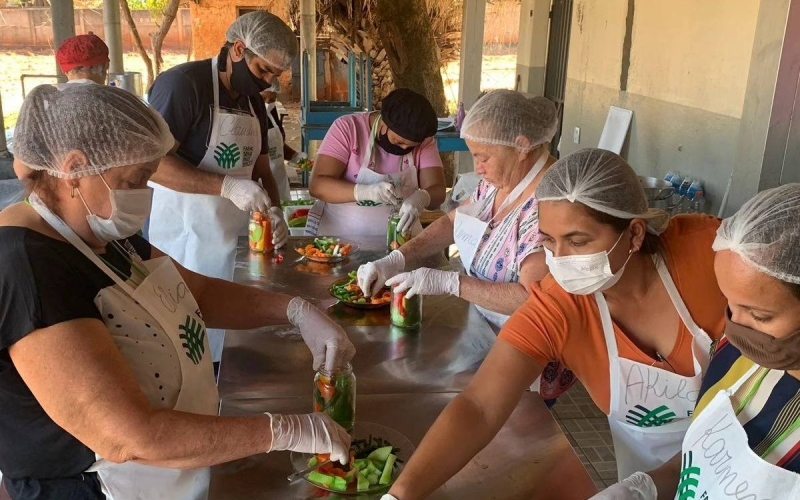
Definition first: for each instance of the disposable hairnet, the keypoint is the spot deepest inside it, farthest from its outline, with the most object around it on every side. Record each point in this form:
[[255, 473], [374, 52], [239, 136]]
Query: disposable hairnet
[[604, 181], [267, 36], [504, 117], [765, 232], [112, 127]]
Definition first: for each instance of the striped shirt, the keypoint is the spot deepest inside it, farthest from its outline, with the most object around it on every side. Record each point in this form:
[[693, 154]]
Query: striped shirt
[[773, 408]]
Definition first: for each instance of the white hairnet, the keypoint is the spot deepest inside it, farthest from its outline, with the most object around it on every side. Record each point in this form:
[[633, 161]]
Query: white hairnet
[[765, 232], [604, 181], [112, 127], [267, 36], [503, 117]]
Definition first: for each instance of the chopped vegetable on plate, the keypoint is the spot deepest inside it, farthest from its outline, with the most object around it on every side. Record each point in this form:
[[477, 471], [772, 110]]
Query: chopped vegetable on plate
[[350, 293]]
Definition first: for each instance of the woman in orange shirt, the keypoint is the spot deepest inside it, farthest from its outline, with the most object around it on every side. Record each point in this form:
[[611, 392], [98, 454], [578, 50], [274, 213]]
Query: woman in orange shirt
[[631, 305]]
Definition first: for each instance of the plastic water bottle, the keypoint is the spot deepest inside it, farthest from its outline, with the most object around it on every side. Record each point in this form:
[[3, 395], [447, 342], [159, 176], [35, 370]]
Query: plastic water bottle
[[685, 185], [699, 203], [694, 189], [460, 115]]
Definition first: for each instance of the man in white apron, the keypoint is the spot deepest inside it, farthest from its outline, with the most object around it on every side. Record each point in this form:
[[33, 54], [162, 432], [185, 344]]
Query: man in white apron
[[361, 176], [205, 192]]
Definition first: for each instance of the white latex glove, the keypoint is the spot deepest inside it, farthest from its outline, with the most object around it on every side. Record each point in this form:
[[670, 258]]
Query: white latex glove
[[425, 281], [637, 486], [411, 208], [326, 340], [311, 433], [389, 497], [382, 192], [280, 230], [298, 156], [245, 194], [372, 275]]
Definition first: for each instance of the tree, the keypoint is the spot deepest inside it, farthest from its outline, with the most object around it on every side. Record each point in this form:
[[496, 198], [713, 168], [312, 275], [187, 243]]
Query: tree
[[166, 11], [405, 31]]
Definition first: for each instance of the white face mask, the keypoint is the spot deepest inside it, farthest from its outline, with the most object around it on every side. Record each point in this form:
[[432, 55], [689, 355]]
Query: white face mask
[[130, 209], [585, 274]]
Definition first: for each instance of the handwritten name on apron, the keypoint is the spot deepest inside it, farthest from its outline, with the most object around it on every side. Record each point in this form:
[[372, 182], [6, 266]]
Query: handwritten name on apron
[[171, 298], [716, 450], [643, 382]]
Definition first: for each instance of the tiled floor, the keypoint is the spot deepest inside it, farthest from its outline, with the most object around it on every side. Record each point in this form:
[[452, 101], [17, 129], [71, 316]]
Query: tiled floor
[[586, 428]]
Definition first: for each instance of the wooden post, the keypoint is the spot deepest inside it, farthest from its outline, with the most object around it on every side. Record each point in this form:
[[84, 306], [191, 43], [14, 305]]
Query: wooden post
[[63, 14], [534, 23], [469, 80], [113, 29]]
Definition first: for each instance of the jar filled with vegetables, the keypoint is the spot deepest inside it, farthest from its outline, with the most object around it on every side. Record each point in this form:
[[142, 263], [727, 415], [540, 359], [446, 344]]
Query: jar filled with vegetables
[[335, 395], [260, 232], [406, 312], [394, 238]]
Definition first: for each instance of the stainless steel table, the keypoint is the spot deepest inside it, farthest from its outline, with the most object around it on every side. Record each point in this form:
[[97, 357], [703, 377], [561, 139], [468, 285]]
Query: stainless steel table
[[529, 459], [274, 362]]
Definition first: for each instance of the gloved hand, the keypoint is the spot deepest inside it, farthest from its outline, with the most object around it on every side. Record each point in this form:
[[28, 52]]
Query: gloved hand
[[280, 230], [372, 275], [311, 433], [389, 497], [411, 208], [637, 486], [247, 195], [325, 339], [425, 281], [298, 156], [382, 192]]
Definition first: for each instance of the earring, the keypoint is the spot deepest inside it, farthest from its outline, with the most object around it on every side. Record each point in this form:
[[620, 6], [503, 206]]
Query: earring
[[73, 192]]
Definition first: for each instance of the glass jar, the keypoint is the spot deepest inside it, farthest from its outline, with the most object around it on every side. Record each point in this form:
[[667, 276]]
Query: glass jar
[[260, 232], [335, 395], [395, 239], [406, 312]]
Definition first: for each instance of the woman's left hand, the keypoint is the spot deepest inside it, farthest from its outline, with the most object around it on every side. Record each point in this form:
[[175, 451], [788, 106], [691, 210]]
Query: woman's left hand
[[326, 340], [411, 208], [425, 281]]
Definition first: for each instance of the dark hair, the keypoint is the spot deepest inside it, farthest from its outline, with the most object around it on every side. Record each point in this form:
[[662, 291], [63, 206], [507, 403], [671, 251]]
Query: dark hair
[[794, 288], [651, 245]]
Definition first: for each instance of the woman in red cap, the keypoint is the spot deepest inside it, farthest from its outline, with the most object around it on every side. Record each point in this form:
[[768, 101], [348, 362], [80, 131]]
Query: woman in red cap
[[84, 58]]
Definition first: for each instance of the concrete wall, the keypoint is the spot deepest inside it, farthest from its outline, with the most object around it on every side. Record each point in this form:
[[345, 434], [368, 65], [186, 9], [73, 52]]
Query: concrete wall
[[684, 68], [32, 28]]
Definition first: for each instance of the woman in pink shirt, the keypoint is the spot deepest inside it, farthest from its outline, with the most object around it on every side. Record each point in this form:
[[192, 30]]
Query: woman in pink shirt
[[372, 163]]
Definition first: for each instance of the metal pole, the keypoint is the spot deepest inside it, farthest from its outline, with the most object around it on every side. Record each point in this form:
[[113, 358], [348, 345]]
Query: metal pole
[[113, 31], [3, 144], [63, 14], [308, 42]]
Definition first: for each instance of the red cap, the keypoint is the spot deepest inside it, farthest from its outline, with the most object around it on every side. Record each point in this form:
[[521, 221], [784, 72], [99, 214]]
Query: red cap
[[82, 50]]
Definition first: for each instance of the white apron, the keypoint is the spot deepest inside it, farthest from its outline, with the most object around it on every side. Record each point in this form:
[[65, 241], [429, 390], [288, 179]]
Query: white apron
[[717, 462], [201, 231], [469, 230], [651, 408], [159, 330], [276, 161], [357, 219]]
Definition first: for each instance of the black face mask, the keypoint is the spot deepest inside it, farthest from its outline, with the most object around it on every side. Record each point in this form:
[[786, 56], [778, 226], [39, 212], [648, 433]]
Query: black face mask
[[245, 82], [392, 149]]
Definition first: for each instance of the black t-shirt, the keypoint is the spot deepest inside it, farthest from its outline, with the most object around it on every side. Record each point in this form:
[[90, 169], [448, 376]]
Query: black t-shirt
[[44, 282], [184, 95]]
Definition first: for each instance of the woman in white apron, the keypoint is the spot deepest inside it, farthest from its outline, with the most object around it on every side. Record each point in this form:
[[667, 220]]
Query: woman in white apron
[[125, 374], [744, 440], [373, 163], [495, 232], [635, 334]]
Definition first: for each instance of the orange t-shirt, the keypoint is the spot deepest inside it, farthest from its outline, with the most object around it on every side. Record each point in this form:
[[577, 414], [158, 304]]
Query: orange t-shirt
[[553, 325]]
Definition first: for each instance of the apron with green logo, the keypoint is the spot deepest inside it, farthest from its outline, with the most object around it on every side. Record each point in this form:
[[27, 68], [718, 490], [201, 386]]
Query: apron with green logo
[[717, 461], [651, 408], [201, 231], [158, 328]]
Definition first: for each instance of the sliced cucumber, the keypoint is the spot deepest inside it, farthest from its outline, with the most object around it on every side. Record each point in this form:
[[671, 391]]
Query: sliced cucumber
[[321, 479], [363, 483], [339, 484], [373, 479], [312, 461], [380, 455], [386, 477]]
